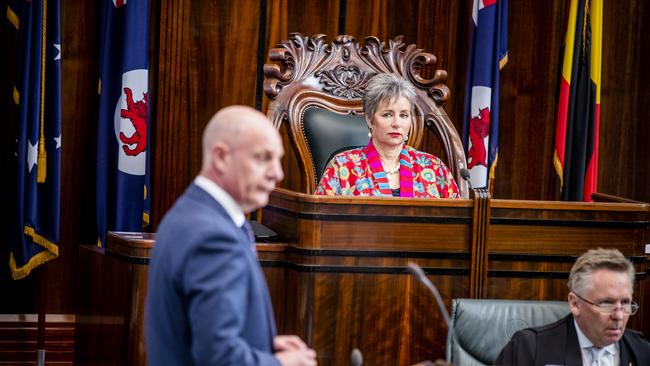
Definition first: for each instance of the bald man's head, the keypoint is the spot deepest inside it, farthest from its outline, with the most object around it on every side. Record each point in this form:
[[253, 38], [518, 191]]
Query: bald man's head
[[227, 125], [241, 153]]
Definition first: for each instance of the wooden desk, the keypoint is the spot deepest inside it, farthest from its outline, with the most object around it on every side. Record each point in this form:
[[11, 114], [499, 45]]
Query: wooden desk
[[345, 285], [111, 293], [338, 278]]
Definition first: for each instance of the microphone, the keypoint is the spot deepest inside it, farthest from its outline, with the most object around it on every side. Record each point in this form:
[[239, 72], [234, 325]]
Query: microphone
[[418, 273], [356, 358], [464, 173]]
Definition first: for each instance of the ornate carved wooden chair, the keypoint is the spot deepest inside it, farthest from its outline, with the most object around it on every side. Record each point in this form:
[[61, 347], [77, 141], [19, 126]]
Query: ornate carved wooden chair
[[316, 88]]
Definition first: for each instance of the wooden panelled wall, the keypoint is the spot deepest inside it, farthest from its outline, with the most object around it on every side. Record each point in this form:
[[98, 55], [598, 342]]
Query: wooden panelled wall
[[206, 54]]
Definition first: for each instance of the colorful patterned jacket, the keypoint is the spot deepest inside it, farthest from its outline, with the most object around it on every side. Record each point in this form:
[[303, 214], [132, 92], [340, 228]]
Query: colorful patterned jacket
[[358, 172]]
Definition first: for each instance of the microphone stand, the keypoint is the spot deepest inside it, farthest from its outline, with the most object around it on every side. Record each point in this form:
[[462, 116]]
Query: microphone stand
[[418, 273]]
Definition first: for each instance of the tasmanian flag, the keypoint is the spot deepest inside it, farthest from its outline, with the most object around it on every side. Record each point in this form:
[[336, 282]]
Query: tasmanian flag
[[35, 228], [578, 114], [487, 56], [122, 199]]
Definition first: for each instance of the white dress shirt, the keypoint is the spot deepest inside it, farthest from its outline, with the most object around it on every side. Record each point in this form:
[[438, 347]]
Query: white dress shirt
[[224, 199], [609, 355]]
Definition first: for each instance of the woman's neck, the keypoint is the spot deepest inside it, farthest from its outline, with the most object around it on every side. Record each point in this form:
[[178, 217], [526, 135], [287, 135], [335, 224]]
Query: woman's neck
[[389, 155]]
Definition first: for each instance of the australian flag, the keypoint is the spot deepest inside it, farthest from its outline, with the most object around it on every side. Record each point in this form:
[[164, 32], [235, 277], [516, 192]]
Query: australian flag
[[122, 136], [35, 230], [488, 54]]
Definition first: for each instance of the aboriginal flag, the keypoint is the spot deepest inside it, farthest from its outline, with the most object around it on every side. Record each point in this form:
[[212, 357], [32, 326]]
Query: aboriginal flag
[[578, 114]]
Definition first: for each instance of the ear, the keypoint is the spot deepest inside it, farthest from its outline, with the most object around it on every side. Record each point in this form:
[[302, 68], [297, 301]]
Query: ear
[[368, 121], [573, 304], [220, 157]]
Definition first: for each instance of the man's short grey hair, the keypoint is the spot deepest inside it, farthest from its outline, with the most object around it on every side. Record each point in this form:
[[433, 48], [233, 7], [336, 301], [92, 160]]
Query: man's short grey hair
[[594, 260], [385, 88]]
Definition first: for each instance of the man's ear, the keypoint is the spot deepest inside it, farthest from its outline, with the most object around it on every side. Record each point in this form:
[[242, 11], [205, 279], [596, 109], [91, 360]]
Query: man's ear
[[220, 157], [573, 304]]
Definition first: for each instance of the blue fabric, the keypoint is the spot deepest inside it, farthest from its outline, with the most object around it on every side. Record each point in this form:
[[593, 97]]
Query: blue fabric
[[35, 228], [122, 177], [488, 49], [207, 302]]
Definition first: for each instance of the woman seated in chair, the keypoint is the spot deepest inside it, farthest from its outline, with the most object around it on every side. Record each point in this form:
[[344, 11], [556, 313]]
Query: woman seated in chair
[[387, 166]]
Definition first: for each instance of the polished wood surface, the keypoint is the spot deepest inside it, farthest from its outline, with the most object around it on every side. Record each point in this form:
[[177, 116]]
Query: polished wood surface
[[338, 279], [18, 339], [349, 284], [110, 315], [478, 249]]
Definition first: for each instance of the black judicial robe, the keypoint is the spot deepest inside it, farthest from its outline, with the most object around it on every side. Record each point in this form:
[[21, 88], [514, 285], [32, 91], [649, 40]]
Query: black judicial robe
[[557, 344]]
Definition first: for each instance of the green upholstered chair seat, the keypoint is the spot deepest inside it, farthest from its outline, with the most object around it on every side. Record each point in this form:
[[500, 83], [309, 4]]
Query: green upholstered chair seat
[[483, 327]]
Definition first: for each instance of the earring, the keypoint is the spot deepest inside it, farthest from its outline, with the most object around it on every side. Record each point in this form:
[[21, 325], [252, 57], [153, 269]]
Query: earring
[[369, 132], [406, 137]]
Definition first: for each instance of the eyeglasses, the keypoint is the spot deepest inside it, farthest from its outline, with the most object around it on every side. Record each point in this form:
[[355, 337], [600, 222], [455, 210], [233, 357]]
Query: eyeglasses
[[608, 307]]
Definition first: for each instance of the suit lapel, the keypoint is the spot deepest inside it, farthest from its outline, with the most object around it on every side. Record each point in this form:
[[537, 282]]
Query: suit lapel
[[260, 282], [573, 353], [625, 353], [202, 197]]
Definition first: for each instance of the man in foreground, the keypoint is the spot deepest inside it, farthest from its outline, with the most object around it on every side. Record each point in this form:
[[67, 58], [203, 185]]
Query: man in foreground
[[208, 303], [600, 299]]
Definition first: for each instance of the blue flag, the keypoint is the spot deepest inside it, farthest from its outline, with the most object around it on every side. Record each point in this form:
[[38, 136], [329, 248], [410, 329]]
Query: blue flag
[[122, 199], [488, 54], [35, 230]]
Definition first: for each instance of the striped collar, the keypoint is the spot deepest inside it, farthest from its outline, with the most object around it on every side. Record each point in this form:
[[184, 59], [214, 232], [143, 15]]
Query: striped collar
[[379, 174]]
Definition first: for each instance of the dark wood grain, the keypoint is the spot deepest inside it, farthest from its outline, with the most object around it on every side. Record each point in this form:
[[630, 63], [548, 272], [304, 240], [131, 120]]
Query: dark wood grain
[[343, 261], [176, 131], [18, 339], [641, 171], [201, 68], [624, 149], [110, 315], [79, 84], [528, 101], [309, 17]]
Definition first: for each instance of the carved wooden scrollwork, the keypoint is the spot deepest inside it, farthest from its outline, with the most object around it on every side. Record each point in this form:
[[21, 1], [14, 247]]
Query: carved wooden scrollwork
[[298, 57], [407, 61], [344, 81], [301, 57]]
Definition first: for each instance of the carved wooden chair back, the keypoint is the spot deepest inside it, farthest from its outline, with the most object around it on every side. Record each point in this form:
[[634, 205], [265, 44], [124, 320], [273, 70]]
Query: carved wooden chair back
[[308, 72]]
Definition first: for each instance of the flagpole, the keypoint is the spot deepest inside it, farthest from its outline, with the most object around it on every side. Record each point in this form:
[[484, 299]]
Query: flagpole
[[40, 327]]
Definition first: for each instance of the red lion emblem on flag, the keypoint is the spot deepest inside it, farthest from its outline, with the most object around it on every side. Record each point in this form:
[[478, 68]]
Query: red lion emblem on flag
[[137, 113], [479, 128]]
